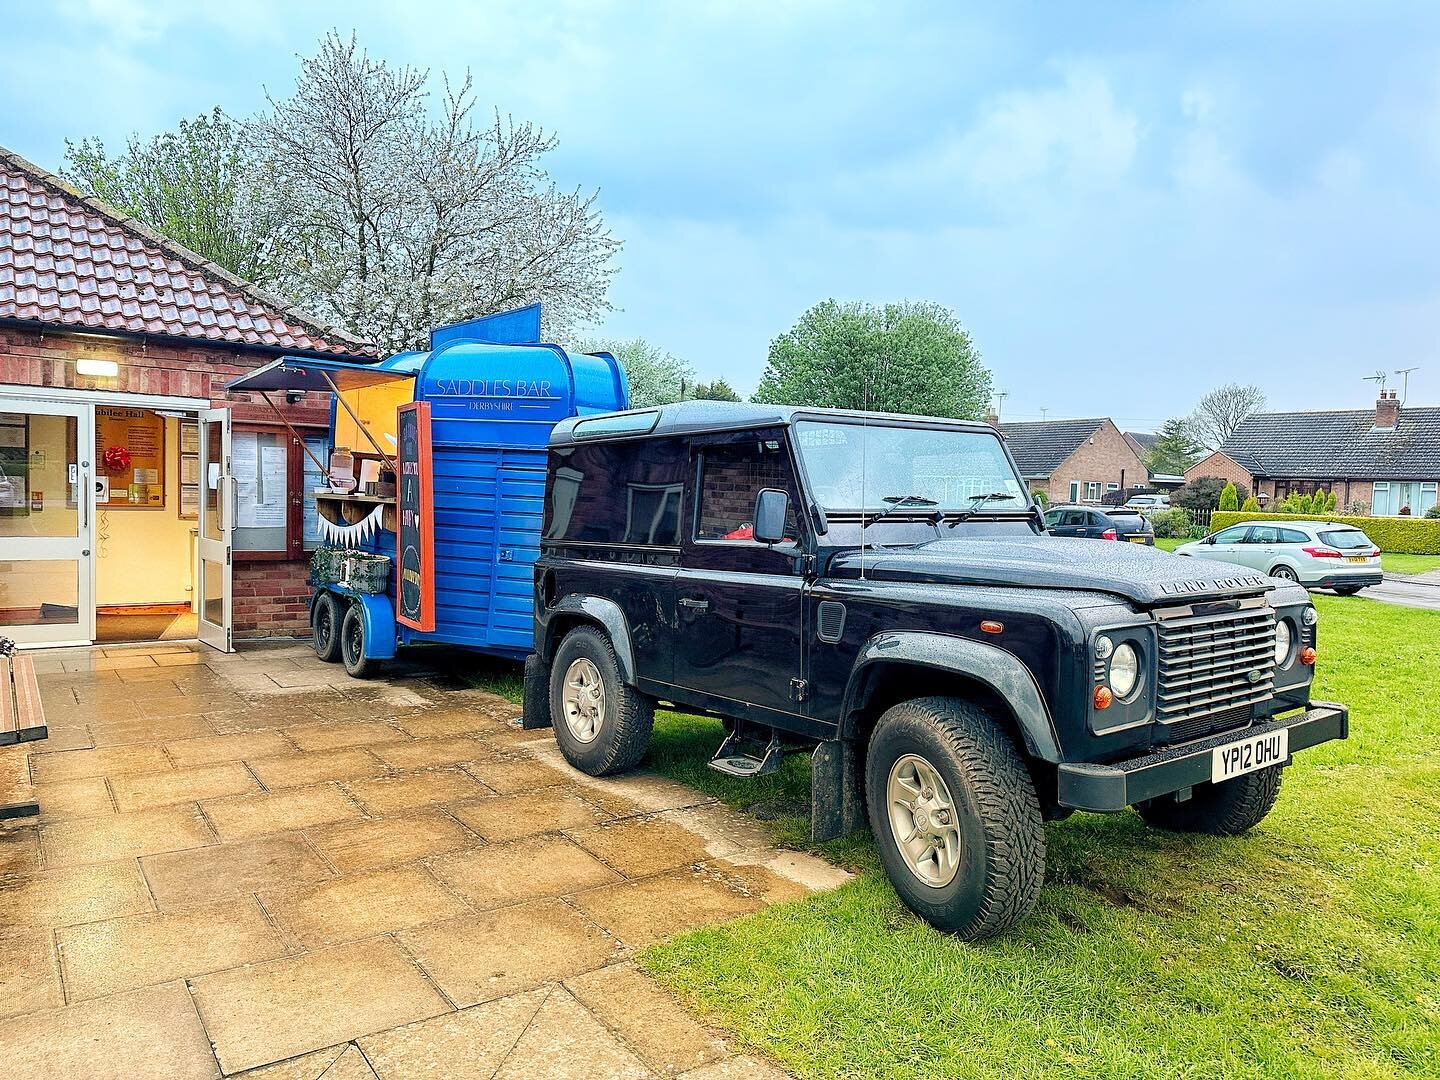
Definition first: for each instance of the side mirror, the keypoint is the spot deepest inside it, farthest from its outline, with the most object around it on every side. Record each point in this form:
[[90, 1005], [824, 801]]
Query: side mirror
[[769, 521], [1208, 540]]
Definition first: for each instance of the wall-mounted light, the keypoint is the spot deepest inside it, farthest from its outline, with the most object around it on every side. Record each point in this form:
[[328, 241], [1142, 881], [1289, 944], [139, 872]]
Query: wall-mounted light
[[100, 369], [294, 397]]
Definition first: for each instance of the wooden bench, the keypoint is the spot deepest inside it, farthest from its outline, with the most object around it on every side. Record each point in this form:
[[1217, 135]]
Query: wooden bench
[[22, 717]]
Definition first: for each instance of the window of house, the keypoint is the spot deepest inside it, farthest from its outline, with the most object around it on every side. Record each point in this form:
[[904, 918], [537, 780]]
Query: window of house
[[275, 515], [1074, 491], [1092, 490], [731, 477]]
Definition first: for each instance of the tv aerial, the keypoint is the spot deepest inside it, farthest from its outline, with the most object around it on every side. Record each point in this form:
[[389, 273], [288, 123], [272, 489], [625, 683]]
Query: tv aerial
[[1404, 374], [1378, 379]]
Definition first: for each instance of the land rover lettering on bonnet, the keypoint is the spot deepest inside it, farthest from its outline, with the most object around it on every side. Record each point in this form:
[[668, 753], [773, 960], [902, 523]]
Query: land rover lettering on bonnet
[[881, 592]]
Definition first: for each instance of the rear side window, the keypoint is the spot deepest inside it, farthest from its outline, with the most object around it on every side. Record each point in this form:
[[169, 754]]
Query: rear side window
[[1346, 539], [731, 476], [616, 493], [1293, 536]]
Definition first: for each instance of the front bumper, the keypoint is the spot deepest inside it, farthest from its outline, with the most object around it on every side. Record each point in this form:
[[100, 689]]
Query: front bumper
[[1107, 788]]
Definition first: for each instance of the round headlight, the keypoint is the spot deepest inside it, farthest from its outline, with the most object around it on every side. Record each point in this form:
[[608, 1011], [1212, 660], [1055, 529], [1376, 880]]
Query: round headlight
[[1124, 670], [1283, 640]]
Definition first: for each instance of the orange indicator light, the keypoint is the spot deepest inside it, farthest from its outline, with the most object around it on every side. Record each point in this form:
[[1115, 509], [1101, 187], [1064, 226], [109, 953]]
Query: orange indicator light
[[990, 626], [1307, 656], [1103, 697]]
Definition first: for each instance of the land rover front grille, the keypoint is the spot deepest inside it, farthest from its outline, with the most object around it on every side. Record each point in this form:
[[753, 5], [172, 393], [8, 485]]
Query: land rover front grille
[[1214, 666]]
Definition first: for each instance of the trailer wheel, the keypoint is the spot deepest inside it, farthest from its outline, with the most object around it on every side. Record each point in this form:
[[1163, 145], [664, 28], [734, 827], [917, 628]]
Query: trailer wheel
[[955, 816], [352, 646], [601, 725], [325, 619]]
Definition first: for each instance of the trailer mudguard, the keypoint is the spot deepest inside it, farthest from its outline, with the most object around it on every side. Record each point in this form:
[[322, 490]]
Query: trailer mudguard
[[379, 614], [599, 611], [993, 667]]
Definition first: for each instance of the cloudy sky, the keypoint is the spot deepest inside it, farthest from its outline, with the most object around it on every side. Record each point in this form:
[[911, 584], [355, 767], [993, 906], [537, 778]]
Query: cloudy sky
[[1126, 203]]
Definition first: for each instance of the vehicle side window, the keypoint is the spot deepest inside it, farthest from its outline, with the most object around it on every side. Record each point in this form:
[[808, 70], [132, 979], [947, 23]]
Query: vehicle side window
[[1074, 517], [731, 476], [1233, 535], [1293, 536], [617, 493], [1263, 534], [1054, 517]]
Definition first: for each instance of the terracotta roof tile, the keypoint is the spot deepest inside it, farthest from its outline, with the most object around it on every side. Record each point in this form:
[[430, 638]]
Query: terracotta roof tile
[[73, 261]]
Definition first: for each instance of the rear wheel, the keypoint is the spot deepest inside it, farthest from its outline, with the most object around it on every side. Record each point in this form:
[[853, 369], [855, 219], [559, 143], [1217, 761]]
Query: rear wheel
[[1229, 809], [1284, 573], [352, 646], [955, 815], [1347, 590], [602, 726], [325, 619]]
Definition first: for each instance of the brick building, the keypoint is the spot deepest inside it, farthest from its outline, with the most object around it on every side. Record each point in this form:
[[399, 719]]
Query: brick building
[[1387, 458], [116, 521], [1075, 461]]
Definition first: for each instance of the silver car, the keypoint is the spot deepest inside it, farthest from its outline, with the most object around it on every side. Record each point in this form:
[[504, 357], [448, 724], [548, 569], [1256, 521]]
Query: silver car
[[1317, 554]]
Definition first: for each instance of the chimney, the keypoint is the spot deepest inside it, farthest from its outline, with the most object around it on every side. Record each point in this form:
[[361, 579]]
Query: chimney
[[992, 418], [1387, 410]]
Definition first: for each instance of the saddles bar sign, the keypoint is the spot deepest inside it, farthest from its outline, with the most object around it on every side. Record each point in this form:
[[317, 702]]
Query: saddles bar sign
[[415, 529]]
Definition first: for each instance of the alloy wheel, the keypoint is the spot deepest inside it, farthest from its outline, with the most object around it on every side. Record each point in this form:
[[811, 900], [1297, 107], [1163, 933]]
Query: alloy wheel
[[923, 820], [582, 700]]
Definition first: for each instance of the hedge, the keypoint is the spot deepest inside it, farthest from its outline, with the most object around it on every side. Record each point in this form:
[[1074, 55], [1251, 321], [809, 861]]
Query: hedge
[[1397, 535]]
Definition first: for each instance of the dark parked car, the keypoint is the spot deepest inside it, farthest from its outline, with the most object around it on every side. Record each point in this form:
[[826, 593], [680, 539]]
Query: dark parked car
[[881, 591], [1111, 523]]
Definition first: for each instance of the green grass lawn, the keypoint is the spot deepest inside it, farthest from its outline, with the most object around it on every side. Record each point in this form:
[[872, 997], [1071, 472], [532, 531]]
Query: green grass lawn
[[1409, 564], [1165, 543], [1309, 948]]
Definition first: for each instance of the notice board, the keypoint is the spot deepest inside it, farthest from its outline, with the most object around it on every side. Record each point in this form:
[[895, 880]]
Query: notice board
[[130, 452], [415, 524]]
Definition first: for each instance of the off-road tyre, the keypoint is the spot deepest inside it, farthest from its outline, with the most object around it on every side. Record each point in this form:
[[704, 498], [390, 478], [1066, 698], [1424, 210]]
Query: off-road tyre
[[352, 646], [325, 619], [1002, 856], [1229, 809], [629, 716]]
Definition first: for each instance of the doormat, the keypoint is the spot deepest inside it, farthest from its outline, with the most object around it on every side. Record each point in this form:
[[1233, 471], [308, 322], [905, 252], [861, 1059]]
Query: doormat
[[116, 625]]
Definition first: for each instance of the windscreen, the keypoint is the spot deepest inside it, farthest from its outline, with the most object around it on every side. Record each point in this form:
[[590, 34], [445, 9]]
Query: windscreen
[[870, 466], [1346, 539]]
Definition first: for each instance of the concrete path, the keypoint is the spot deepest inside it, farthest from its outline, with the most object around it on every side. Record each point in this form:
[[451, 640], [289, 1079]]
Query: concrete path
[[1422, 590], [254, 865]]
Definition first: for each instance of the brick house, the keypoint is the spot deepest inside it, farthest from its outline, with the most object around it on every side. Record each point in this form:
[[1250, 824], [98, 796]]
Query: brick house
[[1075, 460], [115, 343], [1387, 458]]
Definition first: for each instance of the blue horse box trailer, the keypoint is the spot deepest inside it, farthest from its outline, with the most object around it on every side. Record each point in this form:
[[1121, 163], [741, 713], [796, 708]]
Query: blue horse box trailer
[[465, 426]]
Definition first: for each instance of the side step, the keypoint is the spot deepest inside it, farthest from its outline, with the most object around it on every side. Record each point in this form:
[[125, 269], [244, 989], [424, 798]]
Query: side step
[[737, 755]]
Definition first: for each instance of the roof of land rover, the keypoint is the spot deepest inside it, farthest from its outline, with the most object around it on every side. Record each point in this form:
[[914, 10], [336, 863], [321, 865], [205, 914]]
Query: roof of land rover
[[699, 417]]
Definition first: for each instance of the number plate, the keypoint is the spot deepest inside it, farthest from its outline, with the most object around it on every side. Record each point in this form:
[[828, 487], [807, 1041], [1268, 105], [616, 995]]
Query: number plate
[[1248, 755], [1137, 539], [1357, 558]]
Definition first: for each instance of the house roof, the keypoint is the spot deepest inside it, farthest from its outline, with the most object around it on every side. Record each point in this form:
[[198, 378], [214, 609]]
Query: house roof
[[1145, 440], [1340, 444], [1039, 447], [70, 260]]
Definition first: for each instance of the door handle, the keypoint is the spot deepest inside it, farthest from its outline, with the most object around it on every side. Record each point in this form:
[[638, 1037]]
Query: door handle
[[694, 604]]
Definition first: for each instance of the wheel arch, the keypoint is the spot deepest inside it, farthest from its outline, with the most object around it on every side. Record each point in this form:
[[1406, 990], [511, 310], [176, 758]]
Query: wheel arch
[[378, 616], [898, 666], [576, 609]]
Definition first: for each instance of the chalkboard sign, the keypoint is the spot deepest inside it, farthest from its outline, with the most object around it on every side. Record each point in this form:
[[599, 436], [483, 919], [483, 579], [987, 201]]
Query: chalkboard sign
[[415, 529]]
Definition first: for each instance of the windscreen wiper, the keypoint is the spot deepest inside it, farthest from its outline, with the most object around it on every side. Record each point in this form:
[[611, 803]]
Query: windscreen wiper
[[976, 502], [897, 502]]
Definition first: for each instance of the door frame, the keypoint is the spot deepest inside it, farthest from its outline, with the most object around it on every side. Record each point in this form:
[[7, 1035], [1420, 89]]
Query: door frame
[[216, 551], [16, 394]]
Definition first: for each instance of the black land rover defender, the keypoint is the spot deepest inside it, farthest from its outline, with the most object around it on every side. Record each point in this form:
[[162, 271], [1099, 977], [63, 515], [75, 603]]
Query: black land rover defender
[[880, 590]]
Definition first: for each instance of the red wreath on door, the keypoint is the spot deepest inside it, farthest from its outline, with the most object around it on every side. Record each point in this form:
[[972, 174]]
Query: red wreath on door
[[116, 459]]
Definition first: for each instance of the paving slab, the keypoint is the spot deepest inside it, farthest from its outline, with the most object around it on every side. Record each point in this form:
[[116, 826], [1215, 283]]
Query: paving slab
[[640, 846], [217, 749], [652, 1023], [361, 905], [566, 1042], [73, 894], [19, 850], [426, 752], [50, 767], [316, 767], [344, 1062], [268, 1012], [147, 730], [140, 792], [510, 817], [87, 797], [495, 953], [140, 950], [407, 791], [383, 842], [521, 870], [150, 1034], [247, 816], [509, 775], [326, 736], [29, 973], [640, 912], [438, 722], [466, 1045], [186, 878], [124, 835]]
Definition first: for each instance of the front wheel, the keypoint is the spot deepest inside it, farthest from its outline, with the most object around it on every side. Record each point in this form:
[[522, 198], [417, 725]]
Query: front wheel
[[325, 627], [601, 725], [1284, 573], [1228, 809], [352, 646], [955, 815]]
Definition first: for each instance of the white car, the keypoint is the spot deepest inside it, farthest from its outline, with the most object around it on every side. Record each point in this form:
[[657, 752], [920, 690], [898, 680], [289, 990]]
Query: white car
[[1317, 554], [1148, 503]]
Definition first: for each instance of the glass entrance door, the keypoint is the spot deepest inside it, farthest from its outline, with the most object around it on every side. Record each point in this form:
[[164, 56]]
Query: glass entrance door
[[217, 520], [46, 522]]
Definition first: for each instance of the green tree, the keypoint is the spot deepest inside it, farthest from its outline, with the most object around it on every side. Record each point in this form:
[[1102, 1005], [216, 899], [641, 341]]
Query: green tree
[[199, 185], [719, 390], [1202, 493], [911, 357], [1251, 505], [656, 376], [1229, 498], [1175, 449]]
